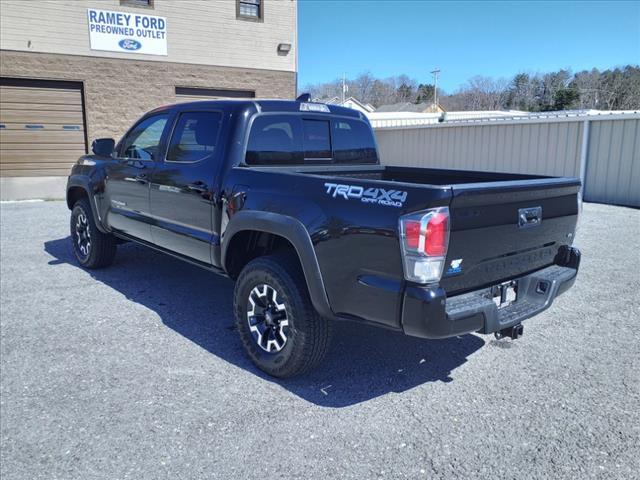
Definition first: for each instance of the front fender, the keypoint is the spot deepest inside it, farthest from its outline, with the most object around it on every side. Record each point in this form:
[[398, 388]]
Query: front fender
[[296, 233], [90, 188]]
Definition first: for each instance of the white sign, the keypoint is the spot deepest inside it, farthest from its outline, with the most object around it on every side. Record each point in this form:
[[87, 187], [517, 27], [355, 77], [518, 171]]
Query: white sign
[[127, 32]]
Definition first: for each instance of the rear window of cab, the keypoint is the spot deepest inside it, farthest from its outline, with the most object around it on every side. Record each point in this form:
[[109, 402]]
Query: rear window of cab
[[297, 140]]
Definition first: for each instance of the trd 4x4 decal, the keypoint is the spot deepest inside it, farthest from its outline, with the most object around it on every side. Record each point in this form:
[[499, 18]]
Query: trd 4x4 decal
[[379, 196]]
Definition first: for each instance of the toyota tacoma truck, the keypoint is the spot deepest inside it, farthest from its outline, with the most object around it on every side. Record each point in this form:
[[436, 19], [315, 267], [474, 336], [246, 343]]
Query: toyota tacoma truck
[[289, 200]]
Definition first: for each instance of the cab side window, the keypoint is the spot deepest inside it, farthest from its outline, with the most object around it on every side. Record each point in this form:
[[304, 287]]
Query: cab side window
[[143, 142], [194, 137]]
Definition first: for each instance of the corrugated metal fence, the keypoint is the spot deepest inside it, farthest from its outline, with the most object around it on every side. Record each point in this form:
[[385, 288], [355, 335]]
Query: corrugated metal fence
[[613, 162], [603, 150]]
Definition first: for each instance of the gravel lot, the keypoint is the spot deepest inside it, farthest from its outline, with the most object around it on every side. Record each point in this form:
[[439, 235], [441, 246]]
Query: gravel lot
[[136, 372]]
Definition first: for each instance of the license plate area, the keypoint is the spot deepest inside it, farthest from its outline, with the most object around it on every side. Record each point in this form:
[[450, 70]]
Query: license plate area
[[505, 294]]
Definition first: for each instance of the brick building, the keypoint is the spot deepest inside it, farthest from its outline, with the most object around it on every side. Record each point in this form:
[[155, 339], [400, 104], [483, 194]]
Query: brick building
[[75, 70]]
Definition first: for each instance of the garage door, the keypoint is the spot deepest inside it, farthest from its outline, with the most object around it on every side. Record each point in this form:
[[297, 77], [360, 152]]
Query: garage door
[[41, 127], [190, 94]]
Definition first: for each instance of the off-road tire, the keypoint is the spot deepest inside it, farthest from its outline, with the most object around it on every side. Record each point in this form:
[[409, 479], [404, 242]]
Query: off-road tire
[[101, 248], [308, 333]]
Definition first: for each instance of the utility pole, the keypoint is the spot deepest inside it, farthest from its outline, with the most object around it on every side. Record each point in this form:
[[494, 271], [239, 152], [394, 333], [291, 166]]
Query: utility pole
[[344, 87], [435, 74]]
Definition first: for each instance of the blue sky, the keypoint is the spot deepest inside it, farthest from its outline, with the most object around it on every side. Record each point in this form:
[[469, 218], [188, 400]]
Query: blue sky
[[463, 39]]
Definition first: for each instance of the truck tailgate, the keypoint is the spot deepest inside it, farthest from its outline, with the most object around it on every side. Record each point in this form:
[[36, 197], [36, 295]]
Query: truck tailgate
[[501, 230]]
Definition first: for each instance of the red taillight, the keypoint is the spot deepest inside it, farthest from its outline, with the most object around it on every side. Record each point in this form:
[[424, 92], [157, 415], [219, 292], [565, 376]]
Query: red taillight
[[424, 238], [437, 232], [412, 234], [427, 233]]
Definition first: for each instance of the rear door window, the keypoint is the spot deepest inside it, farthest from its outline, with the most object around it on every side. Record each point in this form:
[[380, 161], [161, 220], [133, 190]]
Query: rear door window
[[353, 142]]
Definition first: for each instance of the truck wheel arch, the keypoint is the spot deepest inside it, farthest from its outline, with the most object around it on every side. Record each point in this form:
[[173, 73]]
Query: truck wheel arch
[[293, 232], [79, 187]]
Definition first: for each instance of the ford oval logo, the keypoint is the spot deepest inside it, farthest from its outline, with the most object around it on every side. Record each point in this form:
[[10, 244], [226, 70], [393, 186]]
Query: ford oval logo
[[130, 44]]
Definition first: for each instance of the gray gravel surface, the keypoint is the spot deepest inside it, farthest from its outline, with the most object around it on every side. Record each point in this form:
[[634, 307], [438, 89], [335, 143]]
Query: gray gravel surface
[[136, 372]]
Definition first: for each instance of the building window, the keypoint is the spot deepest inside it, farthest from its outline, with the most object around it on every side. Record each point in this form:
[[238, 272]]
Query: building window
[[249, 9], [197, 93], [137, 3]]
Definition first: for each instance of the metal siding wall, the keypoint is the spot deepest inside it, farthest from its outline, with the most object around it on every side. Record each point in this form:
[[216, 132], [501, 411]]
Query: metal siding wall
[[536, 148], [544, 148], [613, 166]]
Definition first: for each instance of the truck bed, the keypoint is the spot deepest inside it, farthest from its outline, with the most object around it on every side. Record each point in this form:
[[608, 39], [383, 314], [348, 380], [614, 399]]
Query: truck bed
[[413, 175], [486, 241]]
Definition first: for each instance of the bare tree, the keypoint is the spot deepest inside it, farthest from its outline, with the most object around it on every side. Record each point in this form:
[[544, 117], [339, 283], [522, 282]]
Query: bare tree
[[521, 92], [361, 86], [382, 93], [484, 93], [618, 88], [588, 85]]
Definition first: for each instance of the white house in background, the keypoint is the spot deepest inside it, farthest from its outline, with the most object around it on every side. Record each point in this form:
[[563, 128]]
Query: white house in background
[[411, 107], [358, 105], [350, 102]]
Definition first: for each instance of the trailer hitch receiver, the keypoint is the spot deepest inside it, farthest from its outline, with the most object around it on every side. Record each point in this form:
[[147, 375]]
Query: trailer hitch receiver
[[513, 332]]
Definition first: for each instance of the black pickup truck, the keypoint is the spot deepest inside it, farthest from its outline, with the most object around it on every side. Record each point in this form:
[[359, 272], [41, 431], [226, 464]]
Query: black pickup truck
[[288, 198]]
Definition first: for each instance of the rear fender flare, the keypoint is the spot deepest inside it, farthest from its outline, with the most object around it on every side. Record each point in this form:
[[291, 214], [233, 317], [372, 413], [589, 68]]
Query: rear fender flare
[[295, 232]]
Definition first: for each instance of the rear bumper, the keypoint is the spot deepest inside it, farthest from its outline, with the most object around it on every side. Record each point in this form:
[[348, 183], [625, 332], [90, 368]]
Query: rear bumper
[[428, 313]]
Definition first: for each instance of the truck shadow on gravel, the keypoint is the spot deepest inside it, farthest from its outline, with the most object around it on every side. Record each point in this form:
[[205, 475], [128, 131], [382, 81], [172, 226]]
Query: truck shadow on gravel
[[363, 363]]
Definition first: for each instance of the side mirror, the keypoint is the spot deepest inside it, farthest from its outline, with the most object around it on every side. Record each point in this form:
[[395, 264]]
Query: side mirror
[[103, 147]]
